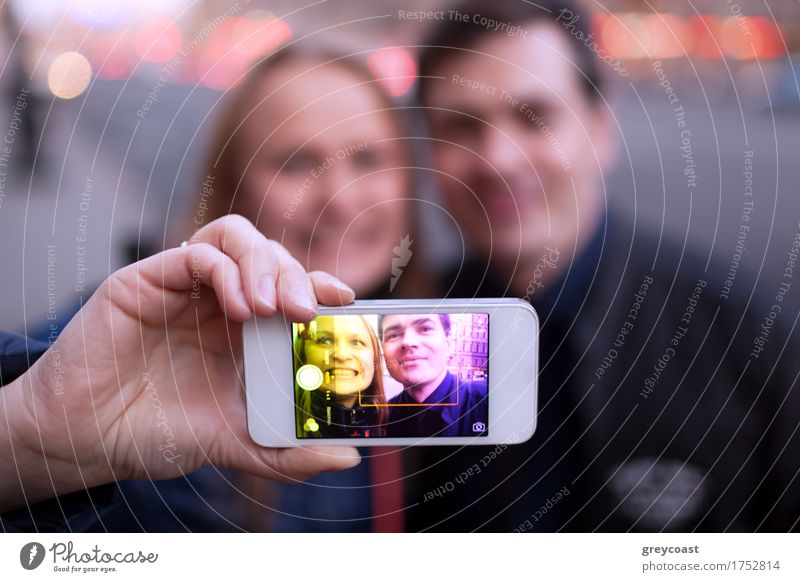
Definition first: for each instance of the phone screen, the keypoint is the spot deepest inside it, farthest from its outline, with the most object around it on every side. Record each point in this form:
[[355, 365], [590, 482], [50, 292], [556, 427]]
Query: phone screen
[[392, 375]]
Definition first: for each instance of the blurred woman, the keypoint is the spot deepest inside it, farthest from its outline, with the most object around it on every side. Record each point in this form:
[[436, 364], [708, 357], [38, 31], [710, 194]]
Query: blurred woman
[[351, 401], [311, 149]]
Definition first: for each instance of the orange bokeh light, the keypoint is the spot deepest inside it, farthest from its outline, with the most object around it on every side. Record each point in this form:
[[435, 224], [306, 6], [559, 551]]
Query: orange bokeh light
[[706, 35], [751, 37]]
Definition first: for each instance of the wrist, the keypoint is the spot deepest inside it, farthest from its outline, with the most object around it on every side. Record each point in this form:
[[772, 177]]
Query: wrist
[[37, 449], [18, 457], [59, 420]]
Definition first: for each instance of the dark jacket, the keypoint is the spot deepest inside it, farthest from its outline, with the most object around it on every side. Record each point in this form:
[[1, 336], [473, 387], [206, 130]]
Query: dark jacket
[[17, 354], [664, 405], [455, 408], [77, 512], [345, 422]]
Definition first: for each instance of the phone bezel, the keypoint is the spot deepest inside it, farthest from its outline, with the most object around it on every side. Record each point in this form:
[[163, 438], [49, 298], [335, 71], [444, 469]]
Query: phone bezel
[[512, 371]]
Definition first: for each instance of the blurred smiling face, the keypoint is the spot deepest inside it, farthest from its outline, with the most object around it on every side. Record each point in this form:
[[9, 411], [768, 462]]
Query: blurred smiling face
[[325, 179], [522, 156]]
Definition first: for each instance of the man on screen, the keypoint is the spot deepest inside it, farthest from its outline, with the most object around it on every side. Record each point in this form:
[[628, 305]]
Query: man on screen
[[434, 401]]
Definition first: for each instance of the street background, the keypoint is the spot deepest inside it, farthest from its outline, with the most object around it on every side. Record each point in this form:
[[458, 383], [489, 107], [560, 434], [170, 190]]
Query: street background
[[92, 179]]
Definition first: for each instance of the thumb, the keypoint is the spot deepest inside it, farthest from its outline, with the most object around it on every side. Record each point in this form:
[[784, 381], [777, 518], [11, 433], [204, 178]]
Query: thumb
[[294, 464], [302, 463]]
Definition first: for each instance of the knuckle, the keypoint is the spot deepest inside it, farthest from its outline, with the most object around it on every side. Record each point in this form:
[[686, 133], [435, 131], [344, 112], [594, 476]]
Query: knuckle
[[237, 221], [200, 248], [277, 248], [282, 257], [294, 266]]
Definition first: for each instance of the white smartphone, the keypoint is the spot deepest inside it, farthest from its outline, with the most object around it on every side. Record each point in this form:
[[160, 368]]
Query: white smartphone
[[396, 372]]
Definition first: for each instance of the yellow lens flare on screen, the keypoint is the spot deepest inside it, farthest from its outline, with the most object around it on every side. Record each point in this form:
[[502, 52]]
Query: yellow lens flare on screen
[[309, 377]]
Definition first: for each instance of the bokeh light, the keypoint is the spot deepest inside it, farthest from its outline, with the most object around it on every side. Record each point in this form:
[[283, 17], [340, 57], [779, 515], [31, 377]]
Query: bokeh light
[[100, 13], [69, 75], [394, 67], [111, 56], [236, 43], [259, 33], [158, 40], [706, 31], [751, 38]]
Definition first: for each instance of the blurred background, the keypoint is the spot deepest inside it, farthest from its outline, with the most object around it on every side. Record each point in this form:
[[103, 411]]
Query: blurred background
[[107, 106]]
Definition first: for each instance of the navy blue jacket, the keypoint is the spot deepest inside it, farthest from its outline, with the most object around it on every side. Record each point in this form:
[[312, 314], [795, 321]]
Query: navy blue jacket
[[455, 408], [77, 512], [666, 402]]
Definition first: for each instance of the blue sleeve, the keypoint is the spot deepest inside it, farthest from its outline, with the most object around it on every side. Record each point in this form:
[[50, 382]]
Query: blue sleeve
[[76, 512], [17, 354], [82, 511]]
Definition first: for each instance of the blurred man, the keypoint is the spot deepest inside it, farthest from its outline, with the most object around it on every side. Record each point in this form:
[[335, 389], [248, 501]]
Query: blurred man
[[434, 402], [661, 405]]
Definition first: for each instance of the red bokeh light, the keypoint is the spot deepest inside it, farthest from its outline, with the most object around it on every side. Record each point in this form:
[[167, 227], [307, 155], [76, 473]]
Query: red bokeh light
[[111, 57], [234, 44], [751, 37], [706, 35], [158, 40], [395, 68]]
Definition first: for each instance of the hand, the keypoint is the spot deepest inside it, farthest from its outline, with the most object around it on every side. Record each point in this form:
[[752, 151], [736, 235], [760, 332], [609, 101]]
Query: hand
[[151, 383]]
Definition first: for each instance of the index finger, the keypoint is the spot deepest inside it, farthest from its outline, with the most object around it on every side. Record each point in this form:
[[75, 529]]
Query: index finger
[[270, 277]]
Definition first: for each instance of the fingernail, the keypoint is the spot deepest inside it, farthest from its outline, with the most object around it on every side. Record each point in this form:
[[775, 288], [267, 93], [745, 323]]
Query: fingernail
[[266, 291], [303, 299], [243, 299], [351, 457], [342, 286]]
